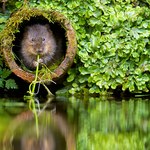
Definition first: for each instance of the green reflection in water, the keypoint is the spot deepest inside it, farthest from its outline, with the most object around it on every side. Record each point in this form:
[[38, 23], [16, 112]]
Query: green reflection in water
[[8, 110], [99, 124], [112, 125], [18, 130]]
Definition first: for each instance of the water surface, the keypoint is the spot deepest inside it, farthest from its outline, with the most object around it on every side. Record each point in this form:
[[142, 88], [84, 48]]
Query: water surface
[[76, 124]]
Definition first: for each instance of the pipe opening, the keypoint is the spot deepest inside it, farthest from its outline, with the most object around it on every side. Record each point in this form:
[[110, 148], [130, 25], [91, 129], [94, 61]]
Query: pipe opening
[[19, 47], [13, 35]]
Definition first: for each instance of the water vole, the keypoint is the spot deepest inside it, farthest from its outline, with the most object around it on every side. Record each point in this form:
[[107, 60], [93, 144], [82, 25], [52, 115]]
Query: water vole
[[38, 40]]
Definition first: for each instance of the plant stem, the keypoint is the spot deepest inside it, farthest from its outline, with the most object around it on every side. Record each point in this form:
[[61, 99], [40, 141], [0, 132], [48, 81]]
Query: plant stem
[[36, 76], [33, 107]]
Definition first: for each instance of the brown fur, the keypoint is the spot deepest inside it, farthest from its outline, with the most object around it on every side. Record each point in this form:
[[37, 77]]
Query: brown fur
[[38, 40]]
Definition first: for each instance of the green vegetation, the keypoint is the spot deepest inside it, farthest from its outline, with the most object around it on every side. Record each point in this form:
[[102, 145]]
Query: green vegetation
[[5, 81], [113, 43], [108, 124], [32, 93]]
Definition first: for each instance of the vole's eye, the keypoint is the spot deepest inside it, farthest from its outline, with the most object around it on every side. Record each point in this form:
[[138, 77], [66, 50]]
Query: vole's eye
[[43, 39], [32, 39]]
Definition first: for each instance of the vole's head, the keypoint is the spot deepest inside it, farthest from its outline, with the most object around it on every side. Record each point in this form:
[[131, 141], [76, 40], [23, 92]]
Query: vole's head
[[40, 39]]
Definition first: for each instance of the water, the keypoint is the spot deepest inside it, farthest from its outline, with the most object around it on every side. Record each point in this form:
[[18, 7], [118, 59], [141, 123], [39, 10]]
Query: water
[[76, 124]]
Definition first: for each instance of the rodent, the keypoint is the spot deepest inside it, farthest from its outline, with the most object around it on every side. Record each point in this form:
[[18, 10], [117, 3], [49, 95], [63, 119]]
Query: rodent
[[39, 40]]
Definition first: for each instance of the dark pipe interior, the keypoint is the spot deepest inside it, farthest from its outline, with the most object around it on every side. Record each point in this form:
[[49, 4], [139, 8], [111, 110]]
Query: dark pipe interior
[[55, 27]]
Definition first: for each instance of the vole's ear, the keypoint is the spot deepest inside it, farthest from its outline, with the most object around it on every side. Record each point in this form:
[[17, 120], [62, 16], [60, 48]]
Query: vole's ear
[[26, 30], [47, 26]]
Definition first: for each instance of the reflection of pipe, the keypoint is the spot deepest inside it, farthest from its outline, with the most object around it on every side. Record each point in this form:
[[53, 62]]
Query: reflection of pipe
[[55, 118], [65, 130], [46, 140], [8, 138]]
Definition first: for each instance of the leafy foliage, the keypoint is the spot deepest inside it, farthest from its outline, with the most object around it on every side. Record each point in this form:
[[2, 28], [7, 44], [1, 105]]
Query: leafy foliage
[[113, 43], [5, 81], [3, 19]]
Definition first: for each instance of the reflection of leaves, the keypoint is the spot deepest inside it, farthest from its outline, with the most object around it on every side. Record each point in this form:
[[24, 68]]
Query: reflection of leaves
[[107, 124]]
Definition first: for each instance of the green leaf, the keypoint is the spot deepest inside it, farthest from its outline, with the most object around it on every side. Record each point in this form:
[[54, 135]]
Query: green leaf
[[94, 89], [2, 20], [93, 22], [11, 84], [83, 70], [135, 54], [18, 4], [5, 73], [1, 83], [71, 78]]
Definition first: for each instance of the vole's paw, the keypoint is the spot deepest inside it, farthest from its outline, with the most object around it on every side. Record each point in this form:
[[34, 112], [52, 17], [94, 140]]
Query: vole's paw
[[35, 63], [40, 60]]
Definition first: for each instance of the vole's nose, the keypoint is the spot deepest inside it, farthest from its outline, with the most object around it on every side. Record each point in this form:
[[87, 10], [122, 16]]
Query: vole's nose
[[39, 51]]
